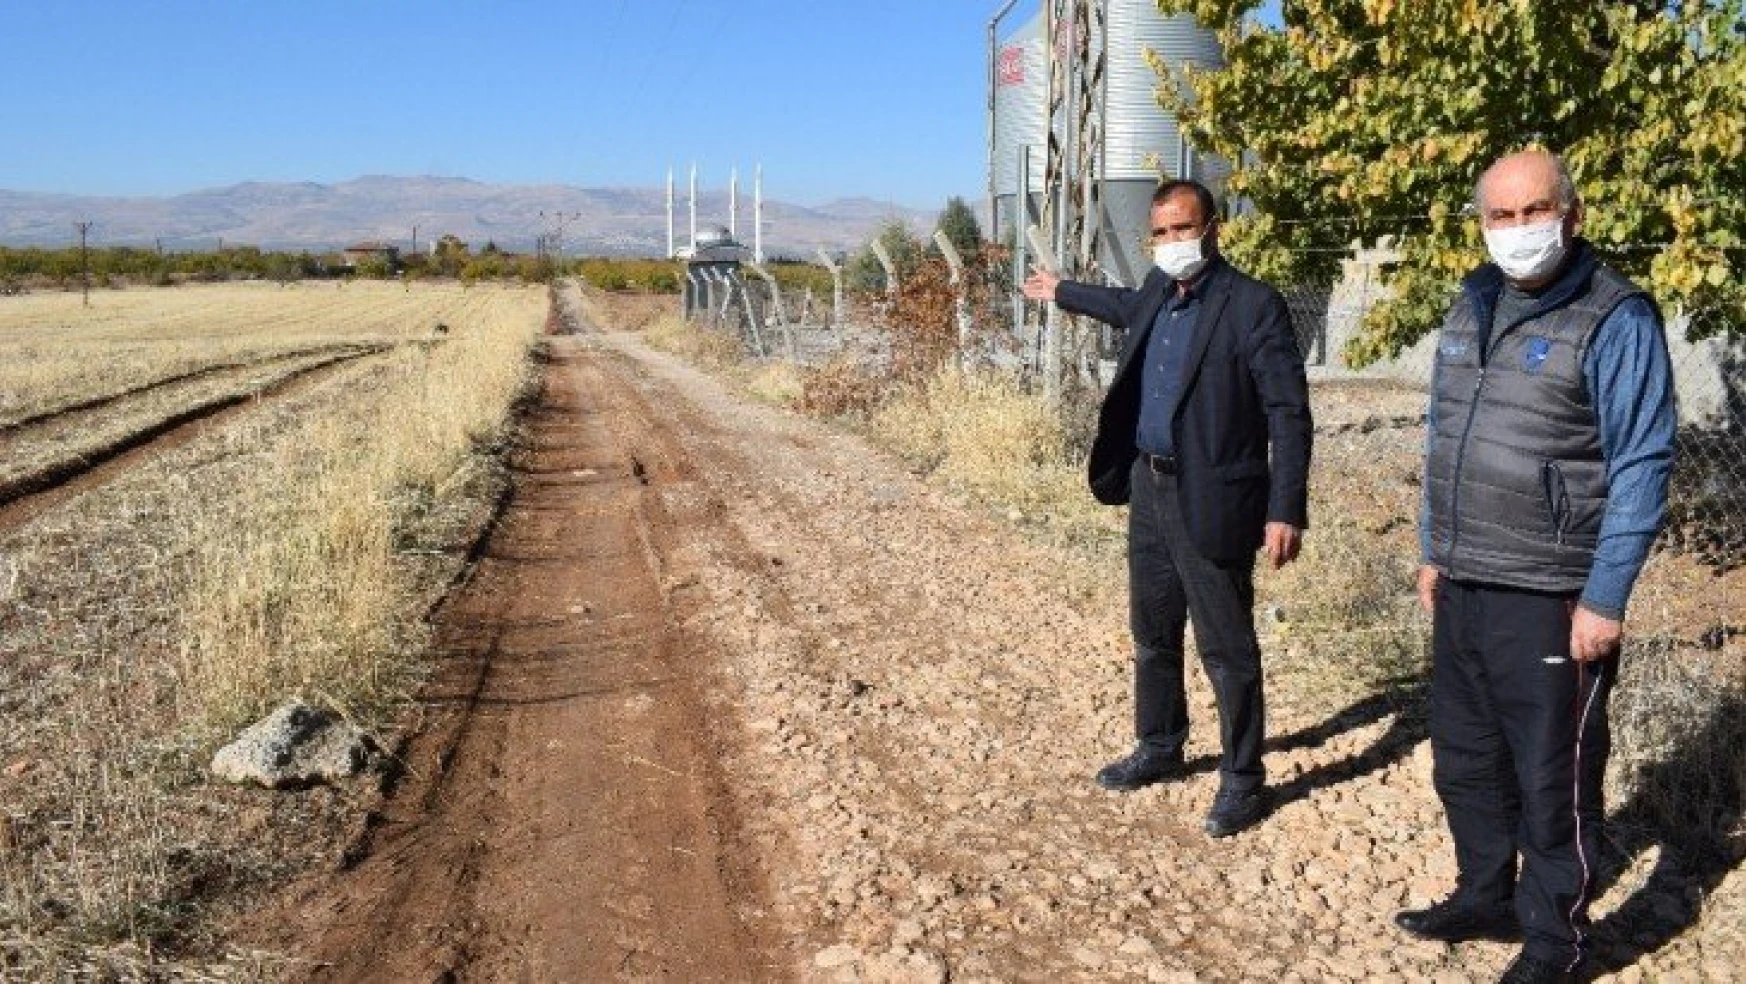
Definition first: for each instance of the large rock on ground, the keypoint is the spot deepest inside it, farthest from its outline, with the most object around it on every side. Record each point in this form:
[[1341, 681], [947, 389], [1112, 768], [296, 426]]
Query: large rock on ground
[[294, 747]]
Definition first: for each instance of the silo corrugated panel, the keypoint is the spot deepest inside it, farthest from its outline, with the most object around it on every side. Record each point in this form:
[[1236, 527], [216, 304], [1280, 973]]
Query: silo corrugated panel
[[1020, 83], [1138, 129]]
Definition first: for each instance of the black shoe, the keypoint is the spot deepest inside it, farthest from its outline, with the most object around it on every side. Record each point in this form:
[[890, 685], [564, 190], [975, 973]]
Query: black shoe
[[1529, 970], [1142, 767], [1450, 921], [1236, 811]]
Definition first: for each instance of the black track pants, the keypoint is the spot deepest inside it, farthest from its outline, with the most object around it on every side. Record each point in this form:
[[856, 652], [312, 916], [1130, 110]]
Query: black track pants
[[1519, 739], [1169, 584]]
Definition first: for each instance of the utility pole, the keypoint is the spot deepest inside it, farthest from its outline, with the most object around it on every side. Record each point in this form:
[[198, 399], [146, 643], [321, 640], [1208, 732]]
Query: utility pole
[[555, 240], [734, 204], [84, 259], [414, 239]]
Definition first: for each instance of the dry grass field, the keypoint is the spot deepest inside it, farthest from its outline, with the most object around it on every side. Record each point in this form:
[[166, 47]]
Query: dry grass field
[[213, 499]]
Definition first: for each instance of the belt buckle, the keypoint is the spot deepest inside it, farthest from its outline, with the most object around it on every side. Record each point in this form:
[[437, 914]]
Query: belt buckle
[[1161, 465]]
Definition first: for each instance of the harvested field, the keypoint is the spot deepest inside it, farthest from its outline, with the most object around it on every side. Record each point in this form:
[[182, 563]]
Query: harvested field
[[261, 501]]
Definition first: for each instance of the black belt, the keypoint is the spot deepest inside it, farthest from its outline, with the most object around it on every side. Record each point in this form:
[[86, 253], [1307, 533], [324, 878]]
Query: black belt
[[1159, 464]]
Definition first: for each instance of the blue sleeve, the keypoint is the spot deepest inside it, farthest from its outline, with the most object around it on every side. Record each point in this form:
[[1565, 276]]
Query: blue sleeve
[[1630, 380], [1425, 473]]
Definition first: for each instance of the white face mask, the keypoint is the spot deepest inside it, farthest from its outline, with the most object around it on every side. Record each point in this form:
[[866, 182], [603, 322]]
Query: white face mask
[[1528, 252], [1180, 260]]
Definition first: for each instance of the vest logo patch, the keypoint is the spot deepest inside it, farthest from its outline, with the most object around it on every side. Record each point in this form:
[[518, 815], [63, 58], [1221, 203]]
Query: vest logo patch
[[1453, 348], [1534, 355]]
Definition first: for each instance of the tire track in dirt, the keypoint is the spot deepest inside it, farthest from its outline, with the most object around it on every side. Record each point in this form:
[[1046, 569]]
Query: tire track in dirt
[[27, 496], [563, 815], [11, 427]]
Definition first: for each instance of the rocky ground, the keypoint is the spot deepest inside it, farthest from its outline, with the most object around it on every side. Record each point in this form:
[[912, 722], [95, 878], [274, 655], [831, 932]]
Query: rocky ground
[[925, 691]]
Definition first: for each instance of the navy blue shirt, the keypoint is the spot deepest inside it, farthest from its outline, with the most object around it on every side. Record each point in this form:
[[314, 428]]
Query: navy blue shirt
[[1166, 355]]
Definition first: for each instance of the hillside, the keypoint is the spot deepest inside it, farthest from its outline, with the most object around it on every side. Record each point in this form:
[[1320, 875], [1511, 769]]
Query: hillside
[[305, 215]]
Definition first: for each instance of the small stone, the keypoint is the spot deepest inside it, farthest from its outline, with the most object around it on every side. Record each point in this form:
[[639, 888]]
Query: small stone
[[19, 768], [1137, 946], [1088, 958]]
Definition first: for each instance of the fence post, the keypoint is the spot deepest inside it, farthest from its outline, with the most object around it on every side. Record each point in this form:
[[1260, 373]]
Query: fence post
[[884, 258], [961, 293], [781, 318], [1051, 356], [836, 288]]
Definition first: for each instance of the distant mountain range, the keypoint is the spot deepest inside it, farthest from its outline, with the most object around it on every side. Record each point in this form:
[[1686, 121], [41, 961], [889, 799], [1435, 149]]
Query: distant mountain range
[[596, 221]]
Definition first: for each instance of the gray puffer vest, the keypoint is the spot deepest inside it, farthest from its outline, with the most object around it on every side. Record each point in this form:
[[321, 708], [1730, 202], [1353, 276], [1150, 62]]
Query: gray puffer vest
[[1514, 475]]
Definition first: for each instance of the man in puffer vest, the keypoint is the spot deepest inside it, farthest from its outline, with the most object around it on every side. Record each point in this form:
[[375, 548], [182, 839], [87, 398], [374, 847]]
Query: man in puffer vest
[[1550, 438]]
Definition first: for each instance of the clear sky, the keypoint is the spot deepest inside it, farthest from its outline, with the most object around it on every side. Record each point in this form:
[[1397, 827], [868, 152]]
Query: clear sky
[[877, 98]]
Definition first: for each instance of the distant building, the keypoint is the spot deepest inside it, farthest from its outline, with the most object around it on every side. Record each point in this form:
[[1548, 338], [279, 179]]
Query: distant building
[[372, 251]]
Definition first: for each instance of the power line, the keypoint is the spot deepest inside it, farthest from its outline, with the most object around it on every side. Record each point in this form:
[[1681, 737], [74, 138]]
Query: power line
[[84, 228]]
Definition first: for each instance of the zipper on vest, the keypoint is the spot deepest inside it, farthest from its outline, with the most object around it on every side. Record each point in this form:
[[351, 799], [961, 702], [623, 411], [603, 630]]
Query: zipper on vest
[[1455, 476], [1557, 498]]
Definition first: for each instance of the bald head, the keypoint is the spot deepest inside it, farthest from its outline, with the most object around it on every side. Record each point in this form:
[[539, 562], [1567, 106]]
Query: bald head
[[1522, 179]]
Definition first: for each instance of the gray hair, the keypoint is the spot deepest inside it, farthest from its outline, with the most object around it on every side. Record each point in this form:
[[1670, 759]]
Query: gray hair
[[1565, 185]]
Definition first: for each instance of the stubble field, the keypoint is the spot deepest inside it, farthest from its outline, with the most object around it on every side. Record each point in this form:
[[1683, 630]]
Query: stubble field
[[211, 499]]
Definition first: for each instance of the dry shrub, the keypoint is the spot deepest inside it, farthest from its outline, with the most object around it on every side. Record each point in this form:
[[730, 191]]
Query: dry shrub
[[981, 431], [922, 323], [688, 340], [780, 383], [841, 387]]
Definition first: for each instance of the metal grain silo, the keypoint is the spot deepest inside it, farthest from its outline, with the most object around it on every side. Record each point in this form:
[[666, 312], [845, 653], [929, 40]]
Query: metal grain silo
[[1021, 81], [1141, 138]]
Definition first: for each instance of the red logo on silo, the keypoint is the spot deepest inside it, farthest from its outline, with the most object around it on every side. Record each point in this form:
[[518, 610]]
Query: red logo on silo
[[1011, 66]]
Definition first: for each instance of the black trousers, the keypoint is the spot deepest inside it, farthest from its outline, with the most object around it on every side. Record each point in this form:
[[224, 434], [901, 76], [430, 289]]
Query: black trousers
[[1519, 742], [1169, 584]]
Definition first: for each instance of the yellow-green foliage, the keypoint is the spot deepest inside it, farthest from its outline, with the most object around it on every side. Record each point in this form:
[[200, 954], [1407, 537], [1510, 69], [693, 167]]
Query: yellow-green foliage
[[1363, 118], [658, 276]]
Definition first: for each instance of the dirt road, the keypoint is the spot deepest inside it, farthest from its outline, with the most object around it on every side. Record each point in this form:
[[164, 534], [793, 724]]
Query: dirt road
[[732, 696], [561, 815]]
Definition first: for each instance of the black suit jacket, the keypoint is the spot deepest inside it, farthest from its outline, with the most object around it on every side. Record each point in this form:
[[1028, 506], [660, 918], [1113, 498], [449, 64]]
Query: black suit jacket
[[1244, 395]]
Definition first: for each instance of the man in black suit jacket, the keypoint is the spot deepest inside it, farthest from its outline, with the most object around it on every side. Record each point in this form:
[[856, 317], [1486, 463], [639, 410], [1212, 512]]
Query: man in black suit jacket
[[1205, 433]]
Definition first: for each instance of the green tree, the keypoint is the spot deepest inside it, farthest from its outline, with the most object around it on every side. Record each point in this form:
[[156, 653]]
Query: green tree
[[1362, 118], [959, 224], [865, 273]]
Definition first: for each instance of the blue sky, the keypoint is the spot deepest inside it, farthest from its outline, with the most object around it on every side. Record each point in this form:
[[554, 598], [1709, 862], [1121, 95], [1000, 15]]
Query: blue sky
[[154, 97]]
